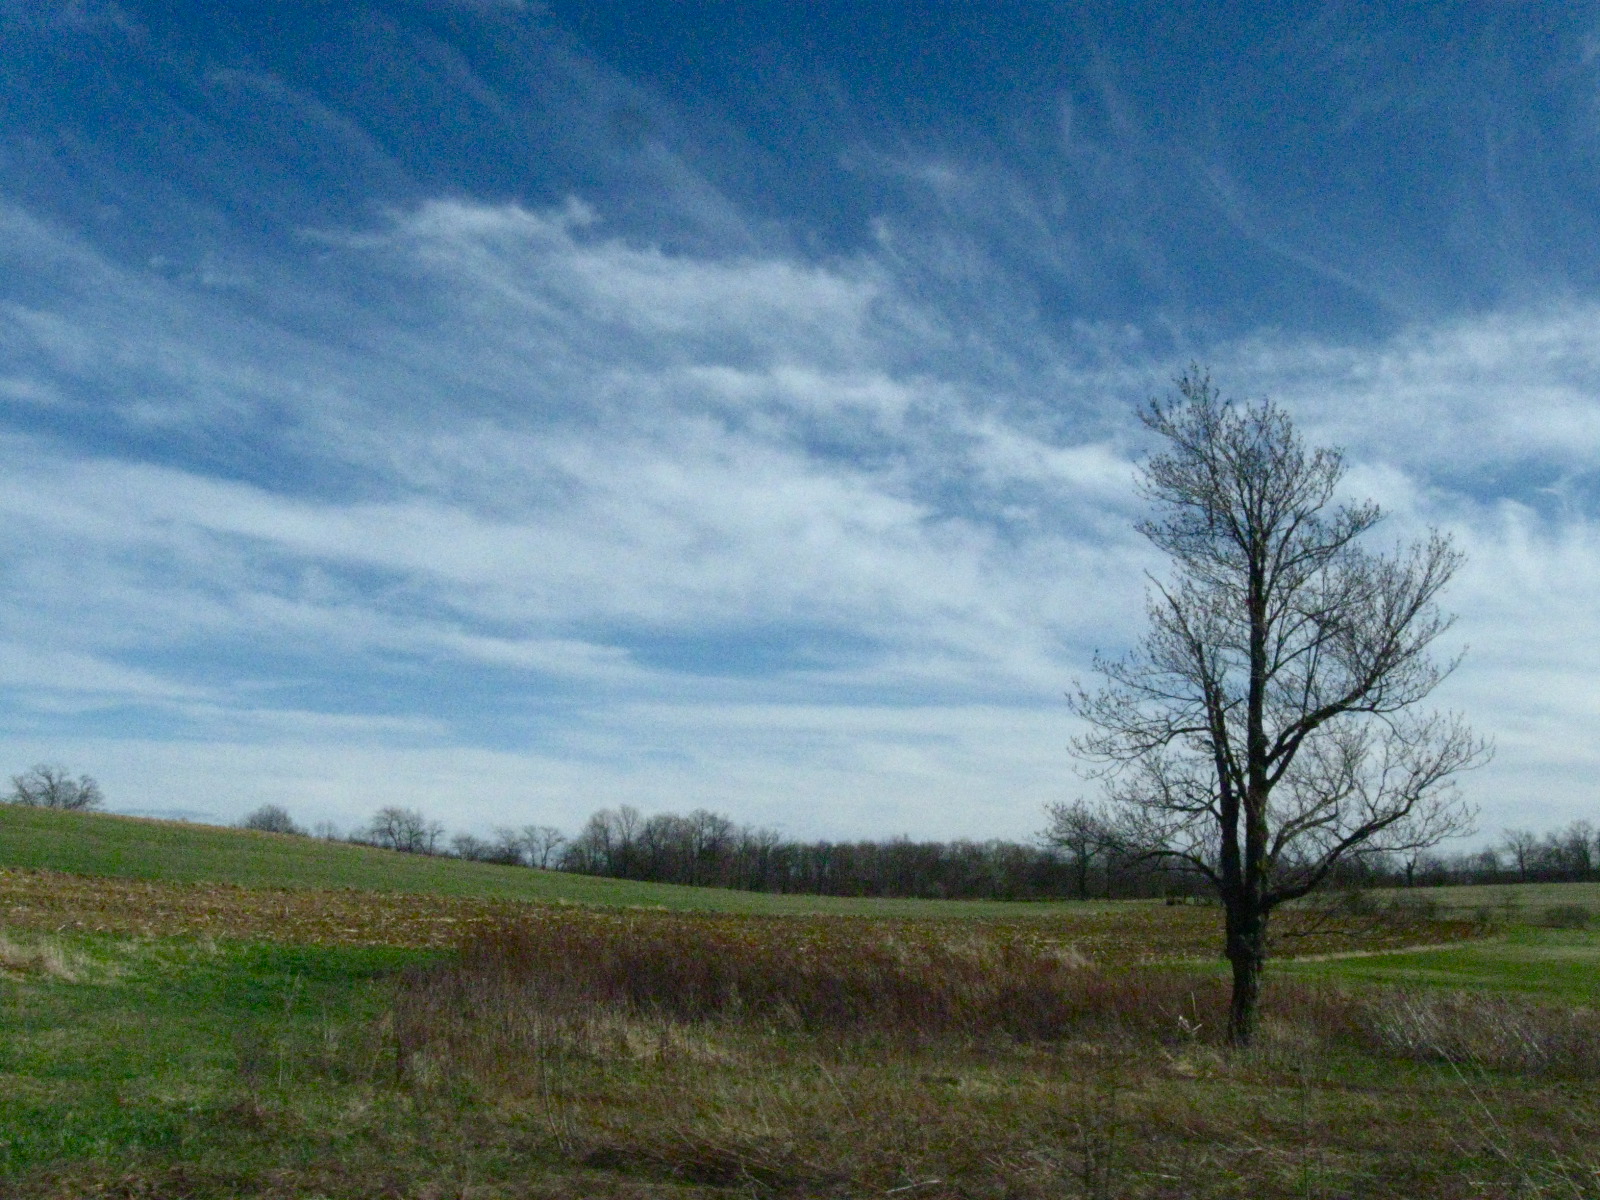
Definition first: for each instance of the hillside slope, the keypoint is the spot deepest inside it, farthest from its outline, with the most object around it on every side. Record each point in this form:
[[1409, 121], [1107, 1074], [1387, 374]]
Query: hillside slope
[[179, 852]]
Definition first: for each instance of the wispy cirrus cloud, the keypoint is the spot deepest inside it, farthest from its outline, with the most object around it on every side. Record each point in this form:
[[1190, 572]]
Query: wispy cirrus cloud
[[509, 507]]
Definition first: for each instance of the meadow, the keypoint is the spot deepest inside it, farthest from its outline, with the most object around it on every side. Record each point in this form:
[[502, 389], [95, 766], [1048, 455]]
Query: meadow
[[197, 1033], [105, 845]]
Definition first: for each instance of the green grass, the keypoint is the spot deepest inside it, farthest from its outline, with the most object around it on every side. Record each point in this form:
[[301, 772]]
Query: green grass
[[148, 1068], [178, 852], [1555, 964], [133, 1049], [1512, 902]]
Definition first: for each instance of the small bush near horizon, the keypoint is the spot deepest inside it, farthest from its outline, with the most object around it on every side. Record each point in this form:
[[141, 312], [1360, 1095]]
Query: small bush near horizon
[[271, 818]]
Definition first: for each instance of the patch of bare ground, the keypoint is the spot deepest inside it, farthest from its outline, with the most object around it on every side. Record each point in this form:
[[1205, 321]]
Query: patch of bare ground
[[1132, 933]]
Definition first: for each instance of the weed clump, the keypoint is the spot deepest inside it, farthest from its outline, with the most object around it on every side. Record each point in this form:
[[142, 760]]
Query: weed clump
[[1567, 916], [39, 959], [1487, 1032], [839, 977]]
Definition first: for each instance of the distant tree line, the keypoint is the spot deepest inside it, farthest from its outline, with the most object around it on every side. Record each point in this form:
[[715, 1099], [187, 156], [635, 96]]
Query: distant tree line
[[706, 849], [1098, 844], [411, 832], [1082, 853], [1569, 855], [709, 850]]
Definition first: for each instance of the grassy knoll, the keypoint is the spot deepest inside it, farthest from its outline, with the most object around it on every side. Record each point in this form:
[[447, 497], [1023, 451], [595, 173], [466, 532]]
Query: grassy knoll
[[119, 1057], [137, 848], [1547, 944]]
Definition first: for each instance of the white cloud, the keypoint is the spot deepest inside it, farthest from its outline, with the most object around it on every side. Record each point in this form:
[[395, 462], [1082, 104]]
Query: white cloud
[[559, 445], [1463, 395], [53, 679]]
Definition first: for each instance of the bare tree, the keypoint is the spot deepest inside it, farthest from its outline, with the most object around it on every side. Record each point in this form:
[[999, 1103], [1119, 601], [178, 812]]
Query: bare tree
[[1522, 845], [404, 829], [506, 847], [1085, 834], [607, 844], [1266, 727], [271, 818], [541, 843], [473, 849], [50, 786], [1574, 850]]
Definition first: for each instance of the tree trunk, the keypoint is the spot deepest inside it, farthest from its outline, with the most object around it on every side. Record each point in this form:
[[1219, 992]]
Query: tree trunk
[[1247, 951]]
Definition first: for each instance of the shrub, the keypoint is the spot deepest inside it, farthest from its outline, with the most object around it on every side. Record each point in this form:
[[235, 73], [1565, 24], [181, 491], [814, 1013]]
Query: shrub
[[271, 818]]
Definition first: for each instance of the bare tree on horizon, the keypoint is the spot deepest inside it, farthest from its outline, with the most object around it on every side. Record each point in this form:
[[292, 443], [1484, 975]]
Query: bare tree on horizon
[[47, 785]]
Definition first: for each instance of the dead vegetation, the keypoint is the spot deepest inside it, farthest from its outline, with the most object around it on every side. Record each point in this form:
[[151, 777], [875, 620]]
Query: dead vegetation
[[690, 1063], [1127, 933], [566, 1052], [27, 958]]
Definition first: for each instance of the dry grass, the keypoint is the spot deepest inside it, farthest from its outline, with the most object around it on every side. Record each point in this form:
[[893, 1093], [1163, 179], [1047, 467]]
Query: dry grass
[[1490, 1032], [29, 958], [835, 978], [680, 1058], [641, 1054], [570, 1052], [1129, 933]]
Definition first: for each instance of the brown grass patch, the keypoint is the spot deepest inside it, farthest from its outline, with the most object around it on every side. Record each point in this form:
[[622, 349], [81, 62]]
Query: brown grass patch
[[1131, 933], [33, 958], [49, 900], [789, 1061]]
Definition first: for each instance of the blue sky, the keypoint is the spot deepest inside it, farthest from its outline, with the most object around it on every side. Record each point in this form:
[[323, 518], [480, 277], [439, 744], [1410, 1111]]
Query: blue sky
[[512, 409]]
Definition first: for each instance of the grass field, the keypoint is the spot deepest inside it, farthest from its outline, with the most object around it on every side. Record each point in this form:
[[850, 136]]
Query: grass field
[[102, 844], [373, 1025], [1556, 964], [1532, 954], [1509, 902]]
